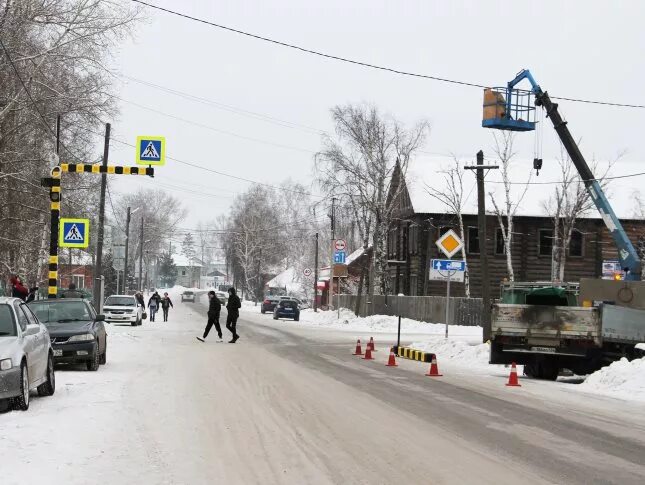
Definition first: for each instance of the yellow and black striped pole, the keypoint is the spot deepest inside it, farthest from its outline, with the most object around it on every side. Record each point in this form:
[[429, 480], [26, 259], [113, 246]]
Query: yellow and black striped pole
[[109, 169], [54, 204]]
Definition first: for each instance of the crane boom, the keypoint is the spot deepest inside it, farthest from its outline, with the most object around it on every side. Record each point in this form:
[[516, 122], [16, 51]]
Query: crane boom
[[629, 259]]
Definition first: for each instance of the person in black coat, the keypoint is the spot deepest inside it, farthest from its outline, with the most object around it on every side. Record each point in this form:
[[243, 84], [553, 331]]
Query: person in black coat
[[214, 308], [233, 307], [166, 303]]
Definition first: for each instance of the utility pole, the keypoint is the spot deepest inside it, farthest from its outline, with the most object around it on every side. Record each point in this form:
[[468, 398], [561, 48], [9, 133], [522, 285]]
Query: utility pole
[[141, 258], [331, 254], [316, 277], [127, 241], [483, 246], [98, 269]]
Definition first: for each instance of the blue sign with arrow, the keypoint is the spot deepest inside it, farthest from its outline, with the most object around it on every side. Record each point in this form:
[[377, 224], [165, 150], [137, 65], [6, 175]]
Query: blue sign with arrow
[[449, 265]]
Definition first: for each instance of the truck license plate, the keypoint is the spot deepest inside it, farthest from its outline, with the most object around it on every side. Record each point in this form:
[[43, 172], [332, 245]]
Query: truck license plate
[[550, 350]]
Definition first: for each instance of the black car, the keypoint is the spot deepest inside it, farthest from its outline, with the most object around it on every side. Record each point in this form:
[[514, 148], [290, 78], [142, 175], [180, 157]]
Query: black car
[[287, 309], [269, 303], [77, 332]]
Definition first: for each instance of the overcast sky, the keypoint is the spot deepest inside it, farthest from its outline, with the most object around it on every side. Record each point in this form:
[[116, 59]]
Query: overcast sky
[[582, 49]]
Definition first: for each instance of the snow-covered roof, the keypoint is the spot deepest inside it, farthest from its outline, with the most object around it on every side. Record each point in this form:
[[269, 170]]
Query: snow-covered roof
[[287, 279], [183, 261]]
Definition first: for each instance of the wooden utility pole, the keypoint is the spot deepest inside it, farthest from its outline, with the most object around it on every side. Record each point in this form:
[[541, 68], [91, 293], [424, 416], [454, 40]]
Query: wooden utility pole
[[483, 246], [316, 277], [98, 268]]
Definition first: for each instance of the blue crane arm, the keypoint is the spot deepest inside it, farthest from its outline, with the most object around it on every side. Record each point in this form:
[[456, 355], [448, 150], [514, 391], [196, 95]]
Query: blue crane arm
[[627, 254]]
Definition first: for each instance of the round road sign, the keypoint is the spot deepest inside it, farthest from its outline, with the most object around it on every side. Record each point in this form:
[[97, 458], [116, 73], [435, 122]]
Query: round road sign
[[340, 245], [307, 271]]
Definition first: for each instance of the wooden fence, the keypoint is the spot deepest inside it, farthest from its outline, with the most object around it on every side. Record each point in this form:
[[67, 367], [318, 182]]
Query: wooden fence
[[463, 311]]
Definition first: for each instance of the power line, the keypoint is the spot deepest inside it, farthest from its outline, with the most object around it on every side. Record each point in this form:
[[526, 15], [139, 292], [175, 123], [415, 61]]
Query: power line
[[560, 182], [361, 63]]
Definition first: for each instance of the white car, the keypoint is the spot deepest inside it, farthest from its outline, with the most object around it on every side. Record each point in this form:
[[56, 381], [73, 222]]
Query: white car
[[26, 357], [222, 296], [123, 309], [188, 296]]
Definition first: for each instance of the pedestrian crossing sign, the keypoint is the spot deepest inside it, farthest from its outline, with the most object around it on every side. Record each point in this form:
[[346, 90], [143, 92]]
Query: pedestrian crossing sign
[[151, 150], [74, 233]]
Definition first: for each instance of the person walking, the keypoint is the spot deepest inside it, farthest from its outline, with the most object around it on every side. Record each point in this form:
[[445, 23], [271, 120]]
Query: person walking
[[18, 290], [166, 303], [72, 292], [214, 308], [153, 305], [233, 307]]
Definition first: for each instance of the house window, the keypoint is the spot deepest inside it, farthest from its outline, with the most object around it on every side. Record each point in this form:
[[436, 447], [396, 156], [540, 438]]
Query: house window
[[78, 280], [413, 239], [545, 242], [183, 272], [391, 242], [500, 247], [576, 244], [473, 240], [413, 285]]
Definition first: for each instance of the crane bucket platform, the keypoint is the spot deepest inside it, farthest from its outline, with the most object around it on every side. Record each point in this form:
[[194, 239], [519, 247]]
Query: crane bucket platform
[[508, 109]]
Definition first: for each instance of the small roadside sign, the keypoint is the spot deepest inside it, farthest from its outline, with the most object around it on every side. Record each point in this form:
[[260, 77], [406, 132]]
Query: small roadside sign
[[151, 150], [449, 264], [307, 272], [340, 245], [449, 244], [74, 233], [340, 257]]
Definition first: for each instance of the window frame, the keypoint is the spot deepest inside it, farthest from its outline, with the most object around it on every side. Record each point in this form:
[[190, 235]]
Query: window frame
[[539, 242], [468, 250], [79, 281], [499, 234], [582, 244], [20, 316]]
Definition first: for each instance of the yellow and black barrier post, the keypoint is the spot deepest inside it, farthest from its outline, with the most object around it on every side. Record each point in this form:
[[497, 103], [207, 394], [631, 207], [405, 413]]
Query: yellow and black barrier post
[[55, 194]]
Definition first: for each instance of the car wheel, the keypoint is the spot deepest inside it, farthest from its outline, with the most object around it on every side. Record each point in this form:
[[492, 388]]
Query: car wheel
[[296, 318], [275, 317], [48, 387], [133, 324], [262, 310], [21, 403], [93, 365], [103, 357]]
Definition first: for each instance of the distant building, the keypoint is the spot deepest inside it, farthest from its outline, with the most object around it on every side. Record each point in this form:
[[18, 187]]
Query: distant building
[[188, 271]]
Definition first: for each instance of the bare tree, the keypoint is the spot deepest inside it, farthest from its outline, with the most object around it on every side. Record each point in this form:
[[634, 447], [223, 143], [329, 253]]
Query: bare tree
[[451, 194], [505, 214], [358, 168], [570, 201]]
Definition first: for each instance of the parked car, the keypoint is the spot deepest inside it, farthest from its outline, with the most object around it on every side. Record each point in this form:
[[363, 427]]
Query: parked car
[[302, 304], [222, 296], [188, 296], [123, 309], [269, 303], [77, 333], [287, 309], [26, 356]]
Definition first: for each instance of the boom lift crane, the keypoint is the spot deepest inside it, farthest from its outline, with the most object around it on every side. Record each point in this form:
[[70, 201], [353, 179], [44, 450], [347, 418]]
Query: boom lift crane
[[510, 108]]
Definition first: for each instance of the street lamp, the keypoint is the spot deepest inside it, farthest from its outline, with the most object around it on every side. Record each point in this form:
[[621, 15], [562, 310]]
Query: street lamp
[[127, 240]]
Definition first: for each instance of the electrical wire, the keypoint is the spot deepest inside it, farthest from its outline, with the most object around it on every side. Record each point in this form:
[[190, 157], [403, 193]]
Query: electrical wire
[[615, 177], [361, 63]]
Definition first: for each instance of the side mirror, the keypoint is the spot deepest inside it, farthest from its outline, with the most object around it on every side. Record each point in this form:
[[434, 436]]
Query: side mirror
[[100, 318], [32, 330]]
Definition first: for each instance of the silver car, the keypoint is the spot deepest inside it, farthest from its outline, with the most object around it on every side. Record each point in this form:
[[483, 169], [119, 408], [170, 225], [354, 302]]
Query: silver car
[[26, 357]]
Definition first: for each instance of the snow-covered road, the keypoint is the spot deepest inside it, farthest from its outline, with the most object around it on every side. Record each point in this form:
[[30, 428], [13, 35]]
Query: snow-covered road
[[289, 404]]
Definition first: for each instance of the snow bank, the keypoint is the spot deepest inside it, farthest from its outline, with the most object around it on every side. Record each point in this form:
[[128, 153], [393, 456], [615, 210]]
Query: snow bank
[[622, 379], [467, 353], [380, 323], [640, 346]]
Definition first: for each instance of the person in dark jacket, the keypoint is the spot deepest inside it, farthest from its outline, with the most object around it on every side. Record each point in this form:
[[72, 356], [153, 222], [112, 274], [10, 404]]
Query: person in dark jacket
[[18, 290], [140, 299], [214, 308], [233, 307], [72, 292], [166, 303], [153, 305]]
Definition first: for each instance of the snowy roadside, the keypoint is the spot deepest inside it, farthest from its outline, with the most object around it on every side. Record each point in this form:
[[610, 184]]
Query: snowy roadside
[[464, 350]]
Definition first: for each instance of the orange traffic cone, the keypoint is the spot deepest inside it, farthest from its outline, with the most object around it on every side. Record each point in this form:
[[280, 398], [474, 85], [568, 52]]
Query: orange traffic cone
[[434, 369], [370, 344], [368, 354], [358, 350], [513, 381], [391, 362]]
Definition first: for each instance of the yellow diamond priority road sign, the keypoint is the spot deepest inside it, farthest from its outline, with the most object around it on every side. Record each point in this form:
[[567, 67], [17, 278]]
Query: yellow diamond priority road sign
[[450, 244]]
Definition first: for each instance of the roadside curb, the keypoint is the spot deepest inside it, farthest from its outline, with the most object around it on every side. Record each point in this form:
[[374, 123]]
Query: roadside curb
[[413, 354]]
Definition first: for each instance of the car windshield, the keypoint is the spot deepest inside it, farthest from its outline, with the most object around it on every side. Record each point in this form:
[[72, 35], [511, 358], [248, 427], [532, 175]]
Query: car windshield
[[120, 301], [7, 323], [288, 304], [188, 293], [61, 311]]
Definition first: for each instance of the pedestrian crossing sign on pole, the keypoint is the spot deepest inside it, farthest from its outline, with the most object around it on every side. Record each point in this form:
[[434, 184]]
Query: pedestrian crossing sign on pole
[[151, 150], [74, 233]]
